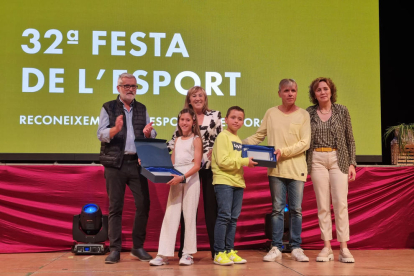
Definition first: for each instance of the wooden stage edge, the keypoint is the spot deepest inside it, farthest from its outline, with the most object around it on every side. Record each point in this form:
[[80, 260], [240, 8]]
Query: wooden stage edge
[[368, 262]]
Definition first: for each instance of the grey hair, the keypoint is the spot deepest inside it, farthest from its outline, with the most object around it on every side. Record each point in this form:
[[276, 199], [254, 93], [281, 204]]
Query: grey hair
[[125, 75], [285, 82]]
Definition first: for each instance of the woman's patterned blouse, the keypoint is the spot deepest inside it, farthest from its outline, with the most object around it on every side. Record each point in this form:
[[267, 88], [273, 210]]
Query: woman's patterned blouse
[[341, 130]]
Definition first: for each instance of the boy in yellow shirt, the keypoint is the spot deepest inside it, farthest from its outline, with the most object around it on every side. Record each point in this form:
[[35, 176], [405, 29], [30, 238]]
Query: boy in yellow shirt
[[227, 165]]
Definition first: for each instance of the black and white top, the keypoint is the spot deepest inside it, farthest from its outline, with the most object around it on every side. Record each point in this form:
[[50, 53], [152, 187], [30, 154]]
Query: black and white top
[[209, 129]]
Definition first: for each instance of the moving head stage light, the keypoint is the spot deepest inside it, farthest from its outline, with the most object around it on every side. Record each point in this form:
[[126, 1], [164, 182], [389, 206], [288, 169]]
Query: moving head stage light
[[90, 229], [286, 248]]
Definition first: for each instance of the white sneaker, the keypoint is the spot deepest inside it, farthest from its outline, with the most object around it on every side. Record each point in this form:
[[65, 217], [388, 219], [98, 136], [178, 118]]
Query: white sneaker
[[159, 260], [272, 255], [325, 255], [345, 256], [186, 259], [299, 256]]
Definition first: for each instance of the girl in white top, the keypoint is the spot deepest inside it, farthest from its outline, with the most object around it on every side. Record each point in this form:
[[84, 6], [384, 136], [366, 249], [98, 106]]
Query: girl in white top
[[184, 192]]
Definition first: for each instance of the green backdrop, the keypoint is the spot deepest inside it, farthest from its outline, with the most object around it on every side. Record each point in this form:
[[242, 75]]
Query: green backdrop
[[252, 44]]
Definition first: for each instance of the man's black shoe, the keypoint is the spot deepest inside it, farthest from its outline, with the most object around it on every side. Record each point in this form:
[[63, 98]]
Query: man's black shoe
[[113, 257], [141, 254]]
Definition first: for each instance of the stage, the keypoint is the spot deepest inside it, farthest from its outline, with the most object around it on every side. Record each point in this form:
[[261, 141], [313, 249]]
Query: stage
[[38, 203], [368, 262]]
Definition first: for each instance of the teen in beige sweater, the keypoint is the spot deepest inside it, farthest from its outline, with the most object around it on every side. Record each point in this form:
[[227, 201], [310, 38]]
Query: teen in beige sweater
[[287, 128]]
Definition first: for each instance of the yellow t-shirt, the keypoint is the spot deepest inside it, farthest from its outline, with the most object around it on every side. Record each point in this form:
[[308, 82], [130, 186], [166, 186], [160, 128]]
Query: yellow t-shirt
[[226, 162], [291, 133]]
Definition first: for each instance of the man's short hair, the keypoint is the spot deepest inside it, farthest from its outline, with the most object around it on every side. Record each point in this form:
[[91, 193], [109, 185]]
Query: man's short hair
[[286, 82], [238, 108], [125, 75]]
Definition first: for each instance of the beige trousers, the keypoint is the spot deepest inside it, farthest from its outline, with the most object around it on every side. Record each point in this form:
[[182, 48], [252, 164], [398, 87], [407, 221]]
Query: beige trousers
[[181, 197], [328, 180]]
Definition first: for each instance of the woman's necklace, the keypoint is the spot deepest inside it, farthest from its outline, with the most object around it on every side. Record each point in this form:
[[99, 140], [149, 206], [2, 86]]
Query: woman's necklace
[[329, 111], [185, 136]]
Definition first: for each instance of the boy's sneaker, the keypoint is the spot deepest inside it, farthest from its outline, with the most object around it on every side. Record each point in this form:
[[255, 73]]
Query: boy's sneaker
[[159, 260], [325, 255], [272, 255], [345, 256], [232, 255], [299, 256], [222, 259], [186, 259]]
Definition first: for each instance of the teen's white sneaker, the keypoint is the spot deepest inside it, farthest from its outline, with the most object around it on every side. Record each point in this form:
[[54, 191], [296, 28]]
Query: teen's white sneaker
[[345, 256], [159, 260], [272, 255], [186, 259], [325, 255], [299, 256]]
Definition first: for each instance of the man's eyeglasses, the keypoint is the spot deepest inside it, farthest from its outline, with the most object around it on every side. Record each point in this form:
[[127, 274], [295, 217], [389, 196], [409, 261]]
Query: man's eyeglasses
[[128, 86]]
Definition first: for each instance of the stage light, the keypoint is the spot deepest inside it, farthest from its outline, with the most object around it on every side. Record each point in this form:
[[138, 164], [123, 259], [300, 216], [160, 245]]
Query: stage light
[[91, 219], [90, 230], [286, 248]]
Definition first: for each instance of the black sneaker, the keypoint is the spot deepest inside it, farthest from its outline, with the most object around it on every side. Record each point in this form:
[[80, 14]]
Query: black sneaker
[[141, 254], [113, 257]]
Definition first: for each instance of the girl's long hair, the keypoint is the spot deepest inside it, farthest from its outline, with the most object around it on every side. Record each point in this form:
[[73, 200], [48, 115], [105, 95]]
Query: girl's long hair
[[195, 129]]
